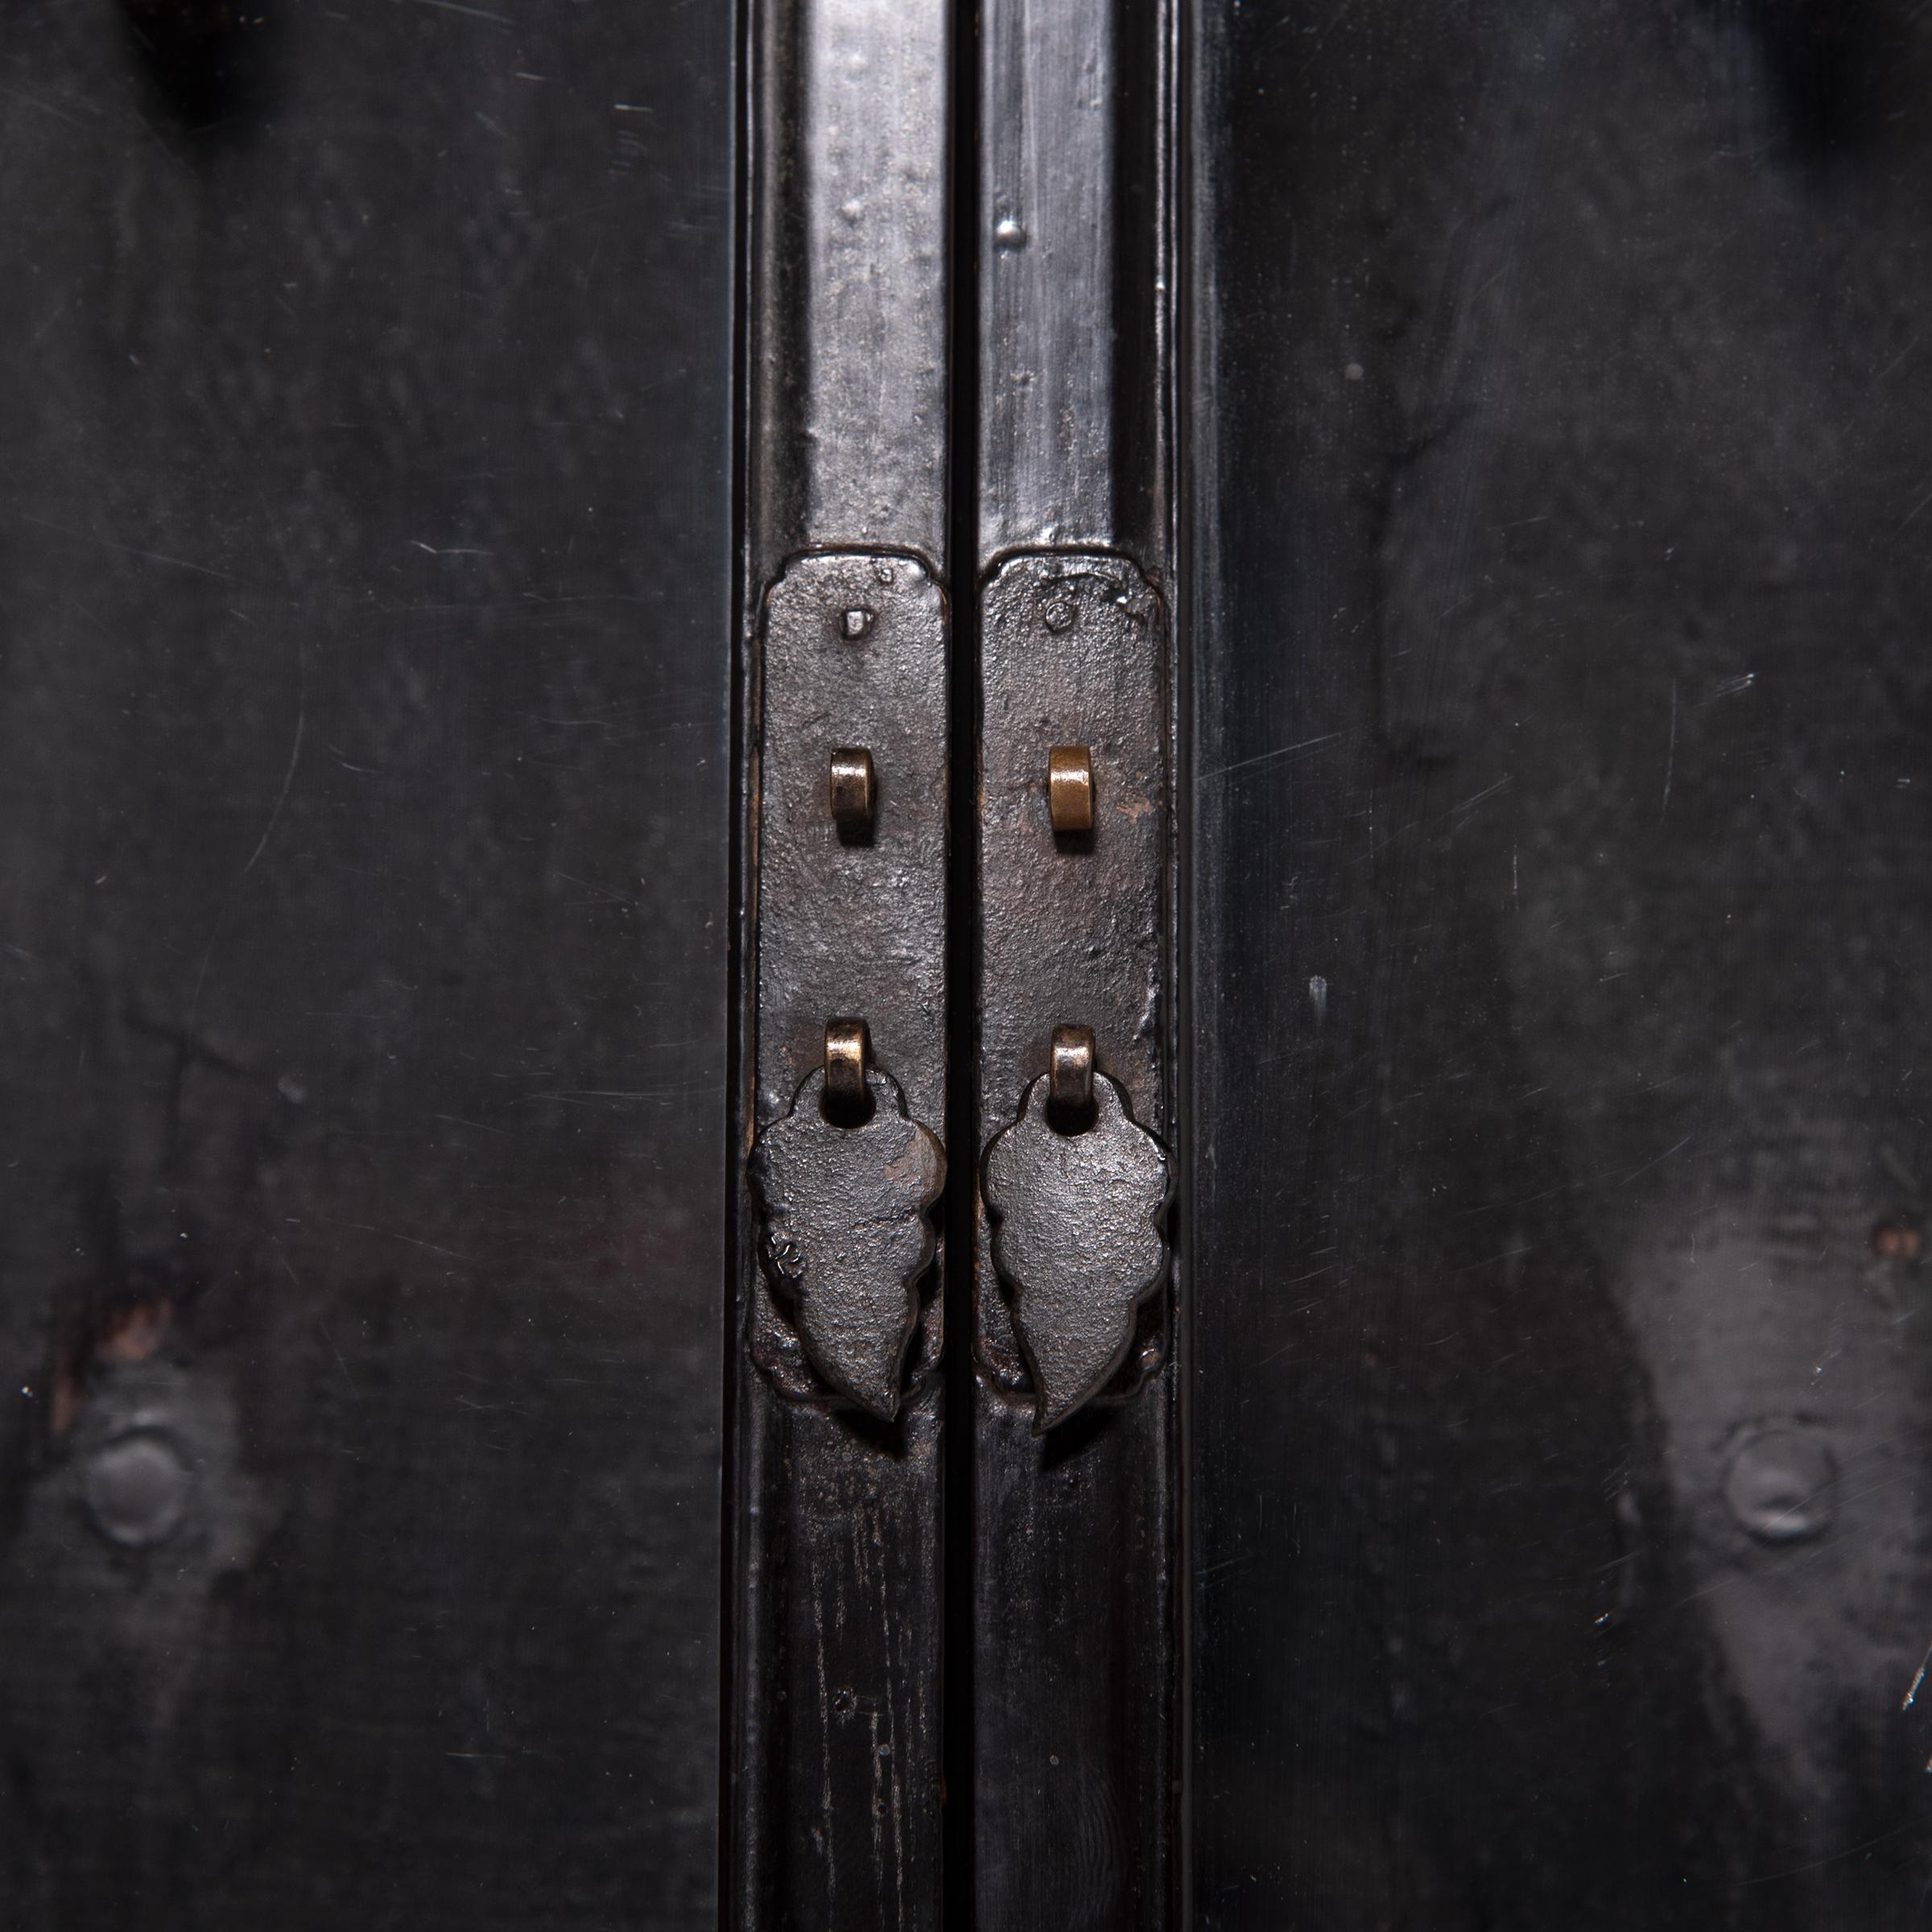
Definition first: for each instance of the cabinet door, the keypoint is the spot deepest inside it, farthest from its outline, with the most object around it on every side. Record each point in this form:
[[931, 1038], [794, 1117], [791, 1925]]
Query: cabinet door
[[1295, 634], [364, 534], [1561, 901]]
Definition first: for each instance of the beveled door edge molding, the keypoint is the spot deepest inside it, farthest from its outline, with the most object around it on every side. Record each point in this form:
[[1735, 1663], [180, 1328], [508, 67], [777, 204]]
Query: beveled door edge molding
[[835, 1506]]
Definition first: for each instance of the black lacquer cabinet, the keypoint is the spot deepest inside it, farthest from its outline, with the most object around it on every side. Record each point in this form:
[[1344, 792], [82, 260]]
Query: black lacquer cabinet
[[967, 967]]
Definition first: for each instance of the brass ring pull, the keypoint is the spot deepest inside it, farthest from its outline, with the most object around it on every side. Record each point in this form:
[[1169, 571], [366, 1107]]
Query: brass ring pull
[[1070, 787], [854, 793], [1070, 1078], [847, 1055]]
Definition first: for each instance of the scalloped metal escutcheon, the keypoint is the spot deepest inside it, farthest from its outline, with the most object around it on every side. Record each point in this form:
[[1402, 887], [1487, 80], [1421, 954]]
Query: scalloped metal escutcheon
[[1076, 1238], [846, 1233]]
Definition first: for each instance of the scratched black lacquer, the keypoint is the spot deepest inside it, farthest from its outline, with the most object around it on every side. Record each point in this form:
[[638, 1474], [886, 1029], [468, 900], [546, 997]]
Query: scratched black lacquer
[[365, 532], [1561, 936]]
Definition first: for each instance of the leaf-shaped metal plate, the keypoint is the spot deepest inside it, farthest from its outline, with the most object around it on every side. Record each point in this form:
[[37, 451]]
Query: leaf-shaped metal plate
[[846, 1233], [1076, 1238]]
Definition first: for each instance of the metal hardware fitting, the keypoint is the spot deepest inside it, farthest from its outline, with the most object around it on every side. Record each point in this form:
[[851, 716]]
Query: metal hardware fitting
[[848, 1060], [1070, 1077], [1076, 1235], [850, 921], [1070, 787], [1071, 925], [846, 1191], [853, 791]]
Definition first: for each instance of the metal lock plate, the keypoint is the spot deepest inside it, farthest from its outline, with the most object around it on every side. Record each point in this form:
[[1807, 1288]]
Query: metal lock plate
[[1074, 682], [851, 921]]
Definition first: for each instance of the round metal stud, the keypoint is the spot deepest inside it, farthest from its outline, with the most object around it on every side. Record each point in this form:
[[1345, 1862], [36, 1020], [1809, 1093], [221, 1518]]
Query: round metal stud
[[1070, 787], [137, 1488], [1781, 1481]]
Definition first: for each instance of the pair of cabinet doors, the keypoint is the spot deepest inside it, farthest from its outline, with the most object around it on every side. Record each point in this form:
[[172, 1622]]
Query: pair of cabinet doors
[[965, 966]]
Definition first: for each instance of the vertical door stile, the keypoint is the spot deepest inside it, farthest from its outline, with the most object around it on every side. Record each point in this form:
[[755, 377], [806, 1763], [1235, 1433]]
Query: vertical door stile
[[1074, 1384], [836, 1606]]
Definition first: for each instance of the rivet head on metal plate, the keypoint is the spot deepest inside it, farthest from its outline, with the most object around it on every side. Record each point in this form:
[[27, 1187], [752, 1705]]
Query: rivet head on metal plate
[[845, 1204], [1076, 1236]]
